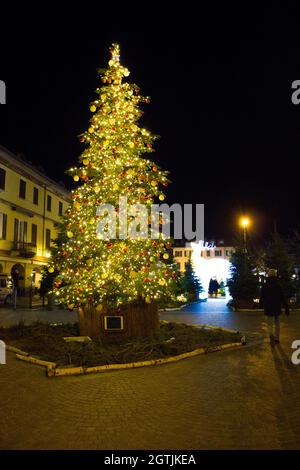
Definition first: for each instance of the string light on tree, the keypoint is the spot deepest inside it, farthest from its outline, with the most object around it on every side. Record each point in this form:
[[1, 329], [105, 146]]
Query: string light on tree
[[114, 163]]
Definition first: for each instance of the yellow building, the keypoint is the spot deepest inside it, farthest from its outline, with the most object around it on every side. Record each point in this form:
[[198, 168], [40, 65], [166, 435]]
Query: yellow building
[[31, 204], [208, 251]]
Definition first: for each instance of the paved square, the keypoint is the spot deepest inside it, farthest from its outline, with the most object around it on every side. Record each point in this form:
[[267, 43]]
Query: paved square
[[247, 398]]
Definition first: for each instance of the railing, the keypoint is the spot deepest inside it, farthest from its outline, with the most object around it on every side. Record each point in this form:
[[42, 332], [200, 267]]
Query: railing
[[25, 249]]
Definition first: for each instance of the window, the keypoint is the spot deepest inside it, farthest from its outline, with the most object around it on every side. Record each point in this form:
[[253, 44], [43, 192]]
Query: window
[[23, 231], [48, 238], [20, 231], [208, 253], [33, 234], [49, 202], [16, 230], [2, 178], [22, 189], [60, 208], [187, 253], [178, 254], [228, 253], [3, 224], [35, 196], [218, 252]]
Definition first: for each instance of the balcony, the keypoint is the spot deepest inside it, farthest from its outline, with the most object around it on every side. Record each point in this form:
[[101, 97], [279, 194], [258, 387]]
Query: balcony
[[24, 249]]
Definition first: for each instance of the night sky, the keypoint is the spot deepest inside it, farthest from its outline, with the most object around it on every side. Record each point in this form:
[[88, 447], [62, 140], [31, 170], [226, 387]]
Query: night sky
[[220, 86]]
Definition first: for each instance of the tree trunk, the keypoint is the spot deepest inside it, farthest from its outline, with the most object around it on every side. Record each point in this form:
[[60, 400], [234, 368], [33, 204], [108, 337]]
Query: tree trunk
[[135, 321], [244, 304]]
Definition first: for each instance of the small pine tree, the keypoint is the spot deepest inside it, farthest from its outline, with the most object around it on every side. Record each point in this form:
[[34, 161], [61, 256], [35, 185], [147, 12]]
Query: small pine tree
[[50, 275], [190, 284], [294, 250], [243, 284], [277, 256]]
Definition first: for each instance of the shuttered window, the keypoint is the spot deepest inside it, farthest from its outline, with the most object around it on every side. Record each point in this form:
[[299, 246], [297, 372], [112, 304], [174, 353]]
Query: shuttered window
[[33, 234], [2, 178], [22, 189], [48, 238], [3, 224]]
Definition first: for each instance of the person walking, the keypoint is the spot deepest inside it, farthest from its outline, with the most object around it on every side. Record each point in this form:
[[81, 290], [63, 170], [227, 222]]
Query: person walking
[[272, 300]]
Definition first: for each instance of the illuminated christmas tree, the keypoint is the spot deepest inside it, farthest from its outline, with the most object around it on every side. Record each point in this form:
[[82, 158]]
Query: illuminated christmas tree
[[101, 275]]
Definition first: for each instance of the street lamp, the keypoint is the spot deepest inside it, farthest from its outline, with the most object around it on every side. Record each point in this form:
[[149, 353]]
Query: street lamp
[[245, 222]]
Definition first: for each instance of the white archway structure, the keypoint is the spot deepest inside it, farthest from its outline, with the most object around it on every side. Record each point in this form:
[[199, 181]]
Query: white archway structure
[[205, 268]]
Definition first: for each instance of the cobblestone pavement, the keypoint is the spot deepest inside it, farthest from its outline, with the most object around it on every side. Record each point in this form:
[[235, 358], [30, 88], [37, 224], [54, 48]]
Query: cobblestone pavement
[[247, 398], [216, 312], [9, 317]]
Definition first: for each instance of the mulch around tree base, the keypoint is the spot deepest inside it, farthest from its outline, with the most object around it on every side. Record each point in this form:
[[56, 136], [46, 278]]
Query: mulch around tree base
[[46, 342]]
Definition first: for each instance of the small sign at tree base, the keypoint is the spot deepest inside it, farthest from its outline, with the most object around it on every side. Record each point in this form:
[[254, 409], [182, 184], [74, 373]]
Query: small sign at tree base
[[115, 325]]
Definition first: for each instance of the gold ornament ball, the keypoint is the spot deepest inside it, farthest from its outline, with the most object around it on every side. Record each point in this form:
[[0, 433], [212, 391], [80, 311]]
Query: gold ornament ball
[[91, 130], [76, 178], [51, 270], [99, 308], [70, 234], [93, 108], [161, 197], [148, 299], [85, 161], [133, 274], [165, 256]]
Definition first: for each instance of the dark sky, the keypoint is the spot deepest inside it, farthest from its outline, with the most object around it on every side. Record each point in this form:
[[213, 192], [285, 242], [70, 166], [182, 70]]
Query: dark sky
[[220, 85]]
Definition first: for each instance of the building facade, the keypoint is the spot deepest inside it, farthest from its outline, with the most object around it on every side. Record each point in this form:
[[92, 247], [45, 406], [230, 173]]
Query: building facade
[[182, 255], [31, 205], [211, 265]]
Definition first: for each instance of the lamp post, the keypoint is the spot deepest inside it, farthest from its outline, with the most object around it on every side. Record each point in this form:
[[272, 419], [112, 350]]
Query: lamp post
[[245, 222]]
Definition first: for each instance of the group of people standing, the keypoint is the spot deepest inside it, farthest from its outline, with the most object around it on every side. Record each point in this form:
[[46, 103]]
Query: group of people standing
[[216, 288]]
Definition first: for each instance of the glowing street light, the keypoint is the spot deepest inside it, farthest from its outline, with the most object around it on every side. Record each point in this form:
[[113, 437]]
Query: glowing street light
[[245, 222]]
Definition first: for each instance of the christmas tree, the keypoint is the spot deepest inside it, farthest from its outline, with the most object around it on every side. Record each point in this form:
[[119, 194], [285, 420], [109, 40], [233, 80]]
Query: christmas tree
[[191, 286], [278, 256], [243, 283], [93, 270]]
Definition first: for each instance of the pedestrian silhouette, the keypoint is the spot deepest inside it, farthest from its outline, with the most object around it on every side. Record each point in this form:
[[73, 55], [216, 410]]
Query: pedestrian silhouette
[[272, 300]]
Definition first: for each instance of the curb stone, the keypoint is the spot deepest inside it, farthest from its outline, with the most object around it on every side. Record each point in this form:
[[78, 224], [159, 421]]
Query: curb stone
[[53, 371], [213, 327], [16, 350], [63, 371], [34, 360]]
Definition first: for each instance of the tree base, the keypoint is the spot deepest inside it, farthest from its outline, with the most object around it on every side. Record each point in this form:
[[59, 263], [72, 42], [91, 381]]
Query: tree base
[[243, 304], [116, 325]]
